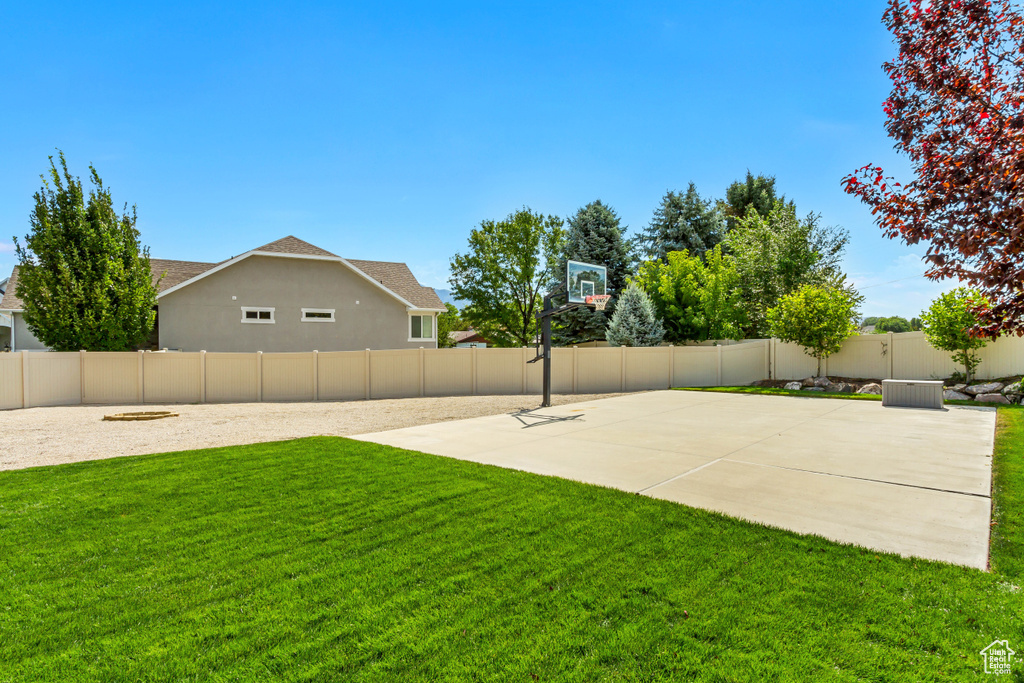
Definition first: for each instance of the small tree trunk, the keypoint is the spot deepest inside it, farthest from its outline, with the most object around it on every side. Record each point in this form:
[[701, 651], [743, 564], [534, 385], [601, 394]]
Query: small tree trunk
[[818, 374]]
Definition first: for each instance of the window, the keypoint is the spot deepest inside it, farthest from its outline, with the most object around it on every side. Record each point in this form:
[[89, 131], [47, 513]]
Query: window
[[251, 314], [421, 328], [318, 315]]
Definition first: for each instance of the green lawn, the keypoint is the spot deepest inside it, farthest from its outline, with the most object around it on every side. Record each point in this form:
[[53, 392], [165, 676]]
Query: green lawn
[[327, 559]]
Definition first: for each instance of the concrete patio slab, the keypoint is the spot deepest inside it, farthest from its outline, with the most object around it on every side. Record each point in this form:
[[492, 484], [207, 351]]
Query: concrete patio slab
[[913, 482]]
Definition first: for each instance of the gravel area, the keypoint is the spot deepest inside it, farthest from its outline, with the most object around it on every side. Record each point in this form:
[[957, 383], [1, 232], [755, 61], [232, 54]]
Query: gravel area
[[55, 435]]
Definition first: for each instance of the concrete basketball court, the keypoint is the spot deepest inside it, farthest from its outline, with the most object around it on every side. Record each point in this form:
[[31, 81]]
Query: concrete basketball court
[[909, 481]]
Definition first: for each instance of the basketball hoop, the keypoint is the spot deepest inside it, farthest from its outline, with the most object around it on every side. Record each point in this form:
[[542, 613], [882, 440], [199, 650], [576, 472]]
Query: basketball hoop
[[598, 301]]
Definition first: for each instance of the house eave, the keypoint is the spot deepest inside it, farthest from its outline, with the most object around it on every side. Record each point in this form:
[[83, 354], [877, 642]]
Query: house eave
[[306, 257]]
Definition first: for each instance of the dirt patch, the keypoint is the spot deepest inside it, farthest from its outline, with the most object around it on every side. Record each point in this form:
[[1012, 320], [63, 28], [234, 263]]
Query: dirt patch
[[51, 436]]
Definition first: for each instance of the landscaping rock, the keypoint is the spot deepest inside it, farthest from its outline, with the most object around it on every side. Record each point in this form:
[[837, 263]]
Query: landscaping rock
[[814, 388], [794, 386], [957, 387], [986, 388], [808, 382], [822, 382], [1015, 389], [839, 388], [951, 395], [991, 398], [873, 388]]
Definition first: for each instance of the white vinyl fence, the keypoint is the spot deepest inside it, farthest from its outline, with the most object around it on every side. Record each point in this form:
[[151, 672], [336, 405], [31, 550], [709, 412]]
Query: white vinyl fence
[[906, 355], [29, 379]]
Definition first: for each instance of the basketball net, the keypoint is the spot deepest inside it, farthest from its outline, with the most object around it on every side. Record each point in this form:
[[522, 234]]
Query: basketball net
[[598, 301]]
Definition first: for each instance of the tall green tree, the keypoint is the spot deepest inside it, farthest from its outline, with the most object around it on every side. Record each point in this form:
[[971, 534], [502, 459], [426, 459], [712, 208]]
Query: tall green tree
[[757, 192], [893, 323], [448, 322], [818, 318], [683, 221], [504, 273], [950, 324], [778, 253], [593, 235], [82, 273], [696, 299], [635, 322]]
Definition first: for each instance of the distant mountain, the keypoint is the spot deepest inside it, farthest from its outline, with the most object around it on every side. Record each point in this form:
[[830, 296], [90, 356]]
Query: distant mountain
[[446, 296]]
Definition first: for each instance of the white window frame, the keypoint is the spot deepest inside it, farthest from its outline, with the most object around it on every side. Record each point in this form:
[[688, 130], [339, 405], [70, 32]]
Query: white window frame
[[317, 320], [433, 327], [258, 309]]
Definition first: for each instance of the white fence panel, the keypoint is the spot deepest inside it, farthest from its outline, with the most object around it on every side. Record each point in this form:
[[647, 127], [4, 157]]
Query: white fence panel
[[744, 363], [11, 388], [55, 379], [598, 370], [448, 372], [1002, 358], [172, 377], [648, 368], [288, 377], [791, 362], [914, 358], [111, 378], [343, 375], [395, 374], [864, 356], [499, 371], [232, 377], [695, 366]]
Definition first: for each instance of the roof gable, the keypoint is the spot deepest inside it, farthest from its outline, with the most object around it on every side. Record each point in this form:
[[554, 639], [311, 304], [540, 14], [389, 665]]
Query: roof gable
[[293, 245]]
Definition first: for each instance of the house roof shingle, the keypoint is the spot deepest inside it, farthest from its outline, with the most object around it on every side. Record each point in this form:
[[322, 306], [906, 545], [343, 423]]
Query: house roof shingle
[[399, 279], [11, 302], [175, 272], [293, 245], [395, 276]]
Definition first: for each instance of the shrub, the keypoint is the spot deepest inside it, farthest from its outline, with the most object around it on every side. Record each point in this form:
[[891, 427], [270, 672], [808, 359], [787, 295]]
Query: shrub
[[817, 318], [948, 323]]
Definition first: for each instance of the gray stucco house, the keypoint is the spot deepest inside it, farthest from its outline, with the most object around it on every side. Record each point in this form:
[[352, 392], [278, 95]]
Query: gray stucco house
[[288, 295]]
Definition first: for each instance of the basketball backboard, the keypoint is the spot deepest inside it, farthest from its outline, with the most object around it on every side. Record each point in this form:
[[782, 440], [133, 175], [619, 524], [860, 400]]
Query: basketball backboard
[[585, 279]]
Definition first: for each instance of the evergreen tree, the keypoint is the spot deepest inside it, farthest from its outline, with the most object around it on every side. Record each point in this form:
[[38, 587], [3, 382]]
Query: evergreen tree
[[593, 236], [754, 191], [84, 278], [635, 322], [683, 222]]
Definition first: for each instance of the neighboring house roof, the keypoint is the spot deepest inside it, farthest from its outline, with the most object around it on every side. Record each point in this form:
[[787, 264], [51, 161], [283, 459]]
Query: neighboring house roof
[[465, 336], [175, 272], [394, 277], [10, 302]]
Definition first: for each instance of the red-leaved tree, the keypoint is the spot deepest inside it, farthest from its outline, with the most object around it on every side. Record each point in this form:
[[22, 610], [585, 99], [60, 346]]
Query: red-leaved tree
[[957, 111]]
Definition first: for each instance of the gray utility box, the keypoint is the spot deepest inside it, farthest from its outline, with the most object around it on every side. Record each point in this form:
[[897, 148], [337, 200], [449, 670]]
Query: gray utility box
[[912, 393]]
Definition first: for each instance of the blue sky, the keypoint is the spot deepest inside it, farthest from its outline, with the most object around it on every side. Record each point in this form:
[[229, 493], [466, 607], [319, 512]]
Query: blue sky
[[388, 130]]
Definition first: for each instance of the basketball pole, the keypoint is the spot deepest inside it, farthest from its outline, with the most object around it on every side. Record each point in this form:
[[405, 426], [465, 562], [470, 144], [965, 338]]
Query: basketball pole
[[545, 336], [547, 313]]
